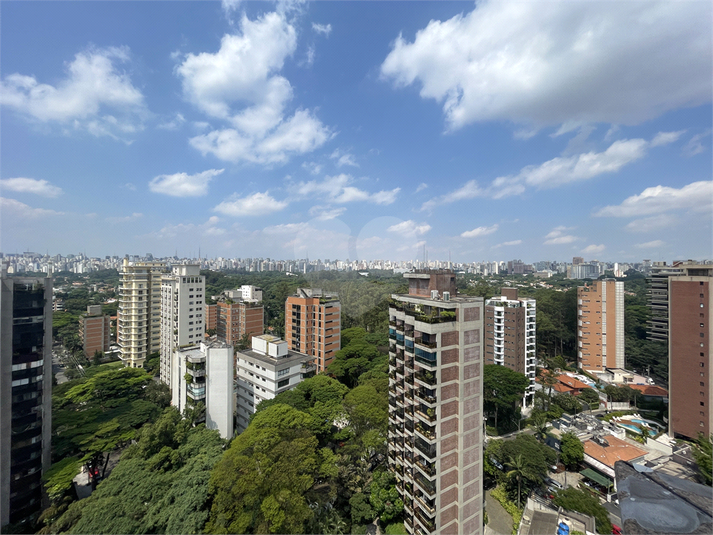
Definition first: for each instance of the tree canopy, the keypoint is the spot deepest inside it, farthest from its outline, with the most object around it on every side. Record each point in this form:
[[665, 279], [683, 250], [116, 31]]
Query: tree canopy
[[573, 499], [503, 389]]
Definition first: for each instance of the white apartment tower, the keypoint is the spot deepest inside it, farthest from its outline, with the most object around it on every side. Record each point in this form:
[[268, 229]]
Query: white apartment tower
[[139, 314], [182, 306]]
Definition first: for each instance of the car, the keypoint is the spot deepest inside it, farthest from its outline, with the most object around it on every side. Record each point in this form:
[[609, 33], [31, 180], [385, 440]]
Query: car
[[616, 530]]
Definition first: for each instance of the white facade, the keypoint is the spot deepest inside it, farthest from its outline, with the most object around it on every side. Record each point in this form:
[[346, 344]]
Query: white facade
[[139, 314], [182, 312], [251, 293], [205, 373], [265, 371]]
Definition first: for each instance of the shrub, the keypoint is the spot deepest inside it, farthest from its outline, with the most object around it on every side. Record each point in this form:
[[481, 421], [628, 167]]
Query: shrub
[[499, 494]]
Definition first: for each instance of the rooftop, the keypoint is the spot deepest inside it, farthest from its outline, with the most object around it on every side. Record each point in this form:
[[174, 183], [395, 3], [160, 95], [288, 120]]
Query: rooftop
[[616, 450], [651, 390], [291, 358]]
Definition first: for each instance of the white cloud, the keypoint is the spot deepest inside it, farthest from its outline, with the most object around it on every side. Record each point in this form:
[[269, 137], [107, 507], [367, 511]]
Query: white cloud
[[337, 189], [173, 124], [183, 184], [322, 213], [409, 228], [230, 5], [286, 228], [593, 249], [244, 73], [30, 185], [650, 224], [253, 205], [343, 158], [469, 190], [126, 219], [558, 236], [92, 87], [12, 208], [694, 145], [130, 186], [324, 29], [184, 230], [422, 186], [650, 244], [480, 231], [312, 167], [697, 196], [664, 138], [507, 243], [552, 63]]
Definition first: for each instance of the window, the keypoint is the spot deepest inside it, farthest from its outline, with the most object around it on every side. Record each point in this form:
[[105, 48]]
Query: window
[[287, 370], [702, 296], [701, 325], [702, 335], [283, 383], [700, 424], [702, 384], [702, 404], [701, 305]]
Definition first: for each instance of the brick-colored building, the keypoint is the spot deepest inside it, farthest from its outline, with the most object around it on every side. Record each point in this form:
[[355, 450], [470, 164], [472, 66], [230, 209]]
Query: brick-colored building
[[211, 317], [435, 441], [600, 325], [313, 325], [95, 331], [233, 320]]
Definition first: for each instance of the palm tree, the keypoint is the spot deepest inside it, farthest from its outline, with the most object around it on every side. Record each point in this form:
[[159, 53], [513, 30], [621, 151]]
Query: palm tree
[[519, 471], [540, 425]]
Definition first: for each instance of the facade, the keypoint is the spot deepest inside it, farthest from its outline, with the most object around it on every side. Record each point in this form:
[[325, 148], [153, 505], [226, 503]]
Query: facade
[[25, 394], [600, 325], [313, 325], [658, 301], [264, 371], [234, 320], [211, 317], [246, 292], [690, 308], [510, 328], [204, 373], [435, 442], [138, 330], [95, 331], [182, 302]]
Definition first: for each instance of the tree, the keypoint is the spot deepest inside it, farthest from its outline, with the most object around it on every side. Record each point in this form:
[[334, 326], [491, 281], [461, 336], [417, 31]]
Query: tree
[[361, 510], [537, 457], [367, 413], [384, 497], [539, 423], [573, 499], [572, 450], [353, 360], [518, 470], [503, 388], [702, 455], [588, 395]]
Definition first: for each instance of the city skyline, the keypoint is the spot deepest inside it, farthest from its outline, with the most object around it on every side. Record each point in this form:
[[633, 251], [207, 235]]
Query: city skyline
[[358, 130]]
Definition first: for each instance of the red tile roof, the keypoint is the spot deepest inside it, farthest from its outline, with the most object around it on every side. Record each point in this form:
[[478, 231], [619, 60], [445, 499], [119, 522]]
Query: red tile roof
[[651, 390], [617, 450]]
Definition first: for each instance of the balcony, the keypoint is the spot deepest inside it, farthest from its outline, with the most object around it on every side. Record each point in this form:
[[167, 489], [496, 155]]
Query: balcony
[[428, 432], [427, 342], [427, 487], [426, 413], [426, 467], [426, 358], [428, 450], [427, 505], [427, 395], [427, 377]]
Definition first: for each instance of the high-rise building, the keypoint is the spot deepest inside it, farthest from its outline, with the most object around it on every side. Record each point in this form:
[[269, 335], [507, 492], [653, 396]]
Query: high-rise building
[[182, 301], [690, 309], [204, 373], [138, 329], [235, 320], [313, 325], [600, 325], [657, 328], [435, 442], [95, 331], [266, 370], [25, 394], [510, 328], [211, 317]]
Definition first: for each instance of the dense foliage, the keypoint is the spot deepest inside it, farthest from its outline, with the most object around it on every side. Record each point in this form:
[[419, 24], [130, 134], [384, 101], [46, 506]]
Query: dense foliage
[[702, 455], [573, 499], [572, 451], [503, 390]]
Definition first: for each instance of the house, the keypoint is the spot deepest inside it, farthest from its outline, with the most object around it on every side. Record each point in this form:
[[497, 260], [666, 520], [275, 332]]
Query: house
[[601, 452]]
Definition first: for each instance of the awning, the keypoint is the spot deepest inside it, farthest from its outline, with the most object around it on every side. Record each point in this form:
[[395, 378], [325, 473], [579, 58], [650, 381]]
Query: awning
[[597, 477]]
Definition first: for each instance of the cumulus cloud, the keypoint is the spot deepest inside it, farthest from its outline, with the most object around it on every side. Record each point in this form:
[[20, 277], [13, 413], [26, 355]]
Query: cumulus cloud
[[337, 189], [409, 228], [650, 224], [593, 249], [507, 243], [312, 167], [558, 236], [664, 138], [343, 158], [480, 231], [550, 63], [324, 29], [322, 213], [94, 96], [252, 205], [241, 85], [30, 185], [697, 197], [183, 184], [651, 244], [12, 208]]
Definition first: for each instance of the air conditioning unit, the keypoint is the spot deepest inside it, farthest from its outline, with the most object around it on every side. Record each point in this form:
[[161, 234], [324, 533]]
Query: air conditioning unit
[[446, 296], [434, 294]]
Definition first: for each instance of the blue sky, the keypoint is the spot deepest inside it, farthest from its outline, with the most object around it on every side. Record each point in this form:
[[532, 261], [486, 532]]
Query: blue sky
[[539, 130]]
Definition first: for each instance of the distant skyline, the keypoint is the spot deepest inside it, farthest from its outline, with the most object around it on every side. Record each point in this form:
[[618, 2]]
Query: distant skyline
[[360, 130]]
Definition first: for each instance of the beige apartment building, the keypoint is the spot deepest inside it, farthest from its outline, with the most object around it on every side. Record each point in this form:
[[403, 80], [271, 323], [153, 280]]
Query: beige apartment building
[[600, 325], [95, 331], [313, 325], [139, 314], [435, 440]]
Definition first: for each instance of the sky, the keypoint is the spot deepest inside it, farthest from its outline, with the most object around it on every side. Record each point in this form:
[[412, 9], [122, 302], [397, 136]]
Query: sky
[[358, 130]]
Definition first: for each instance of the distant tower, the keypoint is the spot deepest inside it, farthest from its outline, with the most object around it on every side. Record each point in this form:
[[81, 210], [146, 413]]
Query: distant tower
[[600, 325], [313, 325]]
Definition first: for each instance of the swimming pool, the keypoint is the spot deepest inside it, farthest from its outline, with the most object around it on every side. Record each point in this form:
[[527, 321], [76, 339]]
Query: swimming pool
[[636, 429]]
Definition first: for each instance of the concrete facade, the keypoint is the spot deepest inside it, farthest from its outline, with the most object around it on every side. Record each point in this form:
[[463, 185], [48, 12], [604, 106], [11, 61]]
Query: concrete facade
[[25, 394], [600, 325], [182, 302], [95, 331], [234, 320], [313, 322], [435, 441]]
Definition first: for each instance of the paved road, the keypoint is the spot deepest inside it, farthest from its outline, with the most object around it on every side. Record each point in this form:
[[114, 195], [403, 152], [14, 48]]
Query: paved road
[[614, 513], [499, 520]]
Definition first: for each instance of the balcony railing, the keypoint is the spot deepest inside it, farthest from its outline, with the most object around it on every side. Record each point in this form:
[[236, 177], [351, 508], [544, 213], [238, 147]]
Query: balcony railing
[[428, 468], [428, 487], [427, 377], [428, 450], [427, 343], [429, 396]]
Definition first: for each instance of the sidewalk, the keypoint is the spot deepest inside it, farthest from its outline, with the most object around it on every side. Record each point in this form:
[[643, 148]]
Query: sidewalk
[[499, 520]]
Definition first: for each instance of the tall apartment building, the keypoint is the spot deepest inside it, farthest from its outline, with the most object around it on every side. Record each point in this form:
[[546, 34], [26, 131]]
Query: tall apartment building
[[234, 320], [246, 292], [264, 371], [600, 325], [95, 331], [182, 301], [435, 442], [138, 323], [211, 317], [690, 309], [313, 325], [25, 394], [204, 373], [510, 328], [657, 297]]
